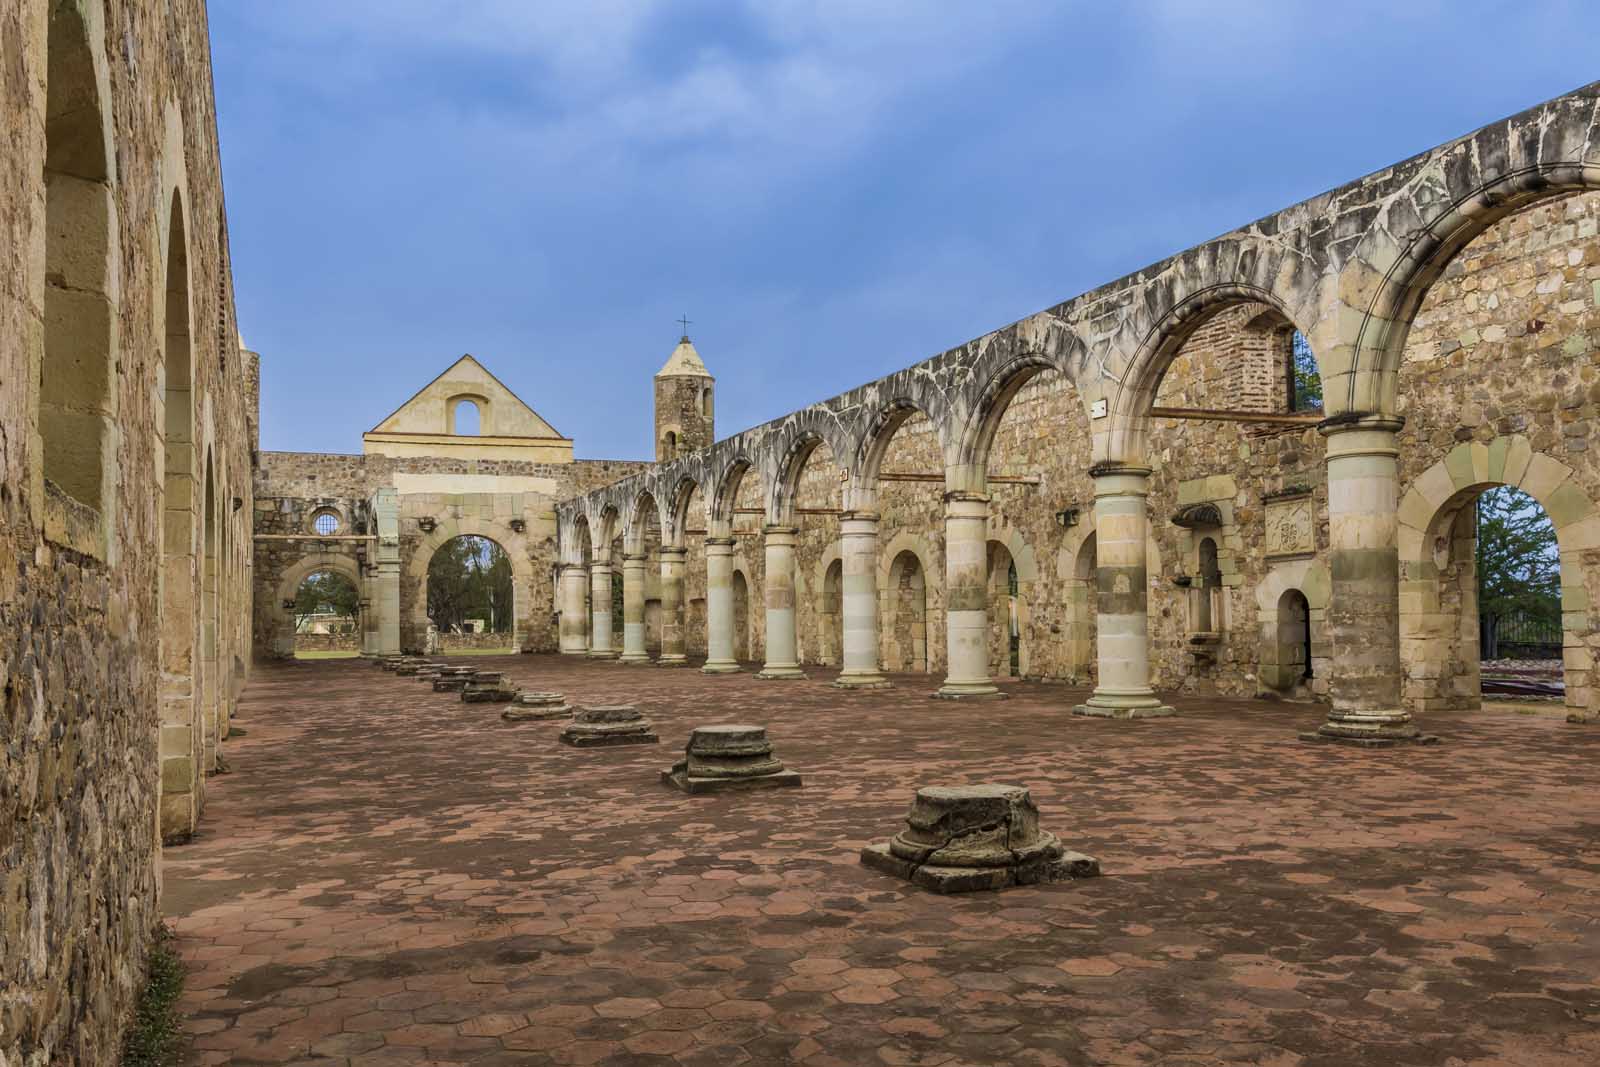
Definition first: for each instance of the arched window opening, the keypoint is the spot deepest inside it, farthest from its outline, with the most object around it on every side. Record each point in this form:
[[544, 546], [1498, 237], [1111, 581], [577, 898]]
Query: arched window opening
[[1518, 570], [1305, 382], [1287, 661], [327, 616], [906, 628], [75, 376], [670, 446], [741, 617], [705, 401], [467, 419], [470, 594], [1207, 586], [831, 610]]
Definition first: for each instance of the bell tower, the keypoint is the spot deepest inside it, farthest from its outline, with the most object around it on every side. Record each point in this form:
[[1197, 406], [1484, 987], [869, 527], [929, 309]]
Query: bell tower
[[685, 406]]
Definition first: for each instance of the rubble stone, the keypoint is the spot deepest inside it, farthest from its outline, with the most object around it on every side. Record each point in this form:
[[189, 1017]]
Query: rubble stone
[[959, 839], [719, 759], [537, 707], [609, 724]]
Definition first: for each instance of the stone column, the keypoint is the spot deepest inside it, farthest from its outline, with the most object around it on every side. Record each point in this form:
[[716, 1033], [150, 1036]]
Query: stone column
[[1363, 615], [719, 607], [633, 610], [672, 607], [783, 655], [574, 624], [386, 568], [858, 531], [966, 590], [1122, 592], [600, 610]]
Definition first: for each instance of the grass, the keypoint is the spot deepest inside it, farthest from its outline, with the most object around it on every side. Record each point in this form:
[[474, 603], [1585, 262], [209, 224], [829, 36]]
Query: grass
[[326, 655], [155, 1037]]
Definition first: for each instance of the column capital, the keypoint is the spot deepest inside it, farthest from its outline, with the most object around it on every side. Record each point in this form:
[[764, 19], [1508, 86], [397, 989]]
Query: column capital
[[1108, 468], [719, 542], [859, 515], [778, 534], [635, 557], [965, 496], [674, 552], [1360, 420], [565, 567]]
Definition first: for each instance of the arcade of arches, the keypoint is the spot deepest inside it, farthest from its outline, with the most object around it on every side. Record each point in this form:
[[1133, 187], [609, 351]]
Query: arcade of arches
[[1058, 500]]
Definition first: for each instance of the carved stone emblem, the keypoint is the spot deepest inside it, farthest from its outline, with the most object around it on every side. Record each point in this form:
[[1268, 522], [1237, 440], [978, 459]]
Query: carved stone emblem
[[1291, 529]]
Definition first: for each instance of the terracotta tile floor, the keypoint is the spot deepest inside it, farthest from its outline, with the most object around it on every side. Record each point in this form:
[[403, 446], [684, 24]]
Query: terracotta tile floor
[[393, 877]]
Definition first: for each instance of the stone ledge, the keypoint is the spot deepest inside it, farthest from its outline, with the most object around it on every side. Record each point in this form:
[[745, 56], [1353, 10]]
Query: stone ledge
[[1096, 712]]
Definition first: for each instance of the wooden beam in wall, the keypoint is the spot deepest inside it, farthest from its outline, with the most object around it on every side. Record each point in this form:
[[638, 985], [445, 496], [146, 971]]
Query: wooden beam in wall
[[934, 476], [1215, 415]]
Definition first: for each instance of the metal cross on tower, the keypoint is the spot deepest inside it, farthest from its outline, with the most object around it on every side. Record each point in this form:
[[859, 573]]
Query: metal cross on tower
[[684, 321]]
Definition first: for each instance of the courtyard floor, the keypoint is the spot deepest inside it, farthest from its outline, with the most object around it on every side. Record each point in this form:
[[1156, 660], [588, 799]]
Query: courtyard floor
[[390, 876]]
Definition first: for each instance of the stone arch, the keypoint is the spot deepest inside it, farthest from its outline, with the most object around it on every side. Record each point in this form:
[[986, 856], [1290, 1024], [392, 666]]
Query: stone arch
[[1162, 333], [725, 485], [1466, 189], [641, 509], [1282, 671], [910, 643], [75, 420], [415, 625], [828, 604], [677, 510], [789, 454], [1007, 551], [282, 632], [879, 430], [480, 406], [1429, 511], [996, 377]]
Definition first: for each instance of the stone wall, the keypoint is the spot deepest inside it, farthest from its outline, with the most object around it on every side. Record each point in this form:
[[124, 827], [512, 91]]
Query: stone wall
[[350, 642], [438, 498], [96, 752], [473, 642]]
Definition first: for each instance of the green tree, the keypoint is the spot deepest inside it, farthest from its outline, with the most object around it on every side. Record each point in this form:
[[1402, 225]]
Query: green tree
[[1307, 380], [469, 577], [1519, 565], [327, 593]]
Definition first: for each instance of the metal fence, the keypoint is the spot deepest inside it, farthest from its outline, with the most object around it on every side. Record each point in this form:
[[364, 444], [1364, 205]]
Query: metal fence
[[1520, 635]]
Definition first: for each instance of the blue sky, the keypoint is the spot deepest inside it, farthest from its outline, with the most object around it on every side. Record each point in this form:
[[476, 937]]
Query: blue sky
[[830, 190]]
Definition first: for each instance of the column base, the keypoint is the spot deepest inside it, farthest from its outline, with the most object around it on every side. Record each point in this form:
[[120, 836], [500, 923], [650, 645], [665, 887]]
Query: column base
[[968, 691], [862, 681], [1125, 706], [1578, 718], [781, 674], [574, 651], [635, 659], [1370, 729], [602, 655], [673, 661], [724, 667]]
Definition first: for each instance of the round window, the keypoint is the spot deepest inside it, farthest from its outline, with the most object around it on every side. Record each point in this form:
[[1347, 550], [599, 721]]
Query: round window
[[325, 523]]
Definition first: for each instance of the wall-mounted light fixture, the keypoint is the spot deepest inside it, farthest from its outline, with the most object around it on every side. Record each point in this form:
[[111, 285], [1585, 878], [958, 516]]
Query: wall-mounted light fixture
[[288, 605], [427, 523], [518, 525], [238, 502], [1067, 517]]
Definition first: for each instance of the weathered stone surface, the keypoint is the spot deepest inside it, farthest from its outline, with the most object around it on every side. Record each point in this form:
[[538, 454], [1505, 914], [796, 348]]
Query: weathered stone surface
[[489, 687], [608, 724], [729, 757], [964, 838], [537, 707]]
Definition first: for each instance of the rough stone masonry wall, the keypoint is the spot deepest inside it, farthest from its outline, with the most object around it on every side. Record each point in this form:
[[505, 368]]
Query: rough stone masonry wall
[[291, 487], [80, 636]]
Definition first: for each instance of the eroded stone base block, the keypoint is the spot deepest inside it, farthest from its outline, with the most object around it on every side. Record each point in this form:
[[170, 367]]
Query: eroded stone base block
[[960, 839], [1370, 729], [489, 687], [609, 724], [968, 693], [782, 674], [721, 759], [537, 707], [1098, 711]]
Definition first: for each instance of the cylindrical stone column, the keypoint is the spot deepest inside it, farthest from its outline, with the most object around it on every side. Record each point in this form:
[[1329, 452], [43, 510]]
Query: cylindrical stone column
[[1122, 620], [574, 618], [858, 531], [672, 654], [719, 607], [966, 584], [600, 610], [633, 650], [1363, 615], [783, 650]]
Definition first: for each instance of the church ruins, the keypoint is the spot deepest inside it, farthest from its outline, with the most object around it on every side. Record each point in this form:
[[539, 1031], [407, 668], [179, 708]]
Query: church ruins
[[1125, 493]]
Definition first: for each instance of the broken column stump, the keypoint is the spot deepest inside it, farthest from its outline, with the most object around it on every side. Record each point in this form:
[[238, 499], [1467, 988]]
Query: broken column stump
[[537, 707], [608, 724], [959, 839], [453, 679], [723, 758], [489, 687]]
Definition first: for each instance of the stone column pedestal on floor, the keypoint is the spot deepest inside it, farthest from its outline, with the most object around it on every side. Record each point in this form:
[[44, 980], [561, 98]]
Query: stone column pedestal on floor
[[966, 586], [858, 532], [783, 649], [719, 607], [1122, 587], [959, 839], [1363, 614], [608, 724], [721, 759]]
